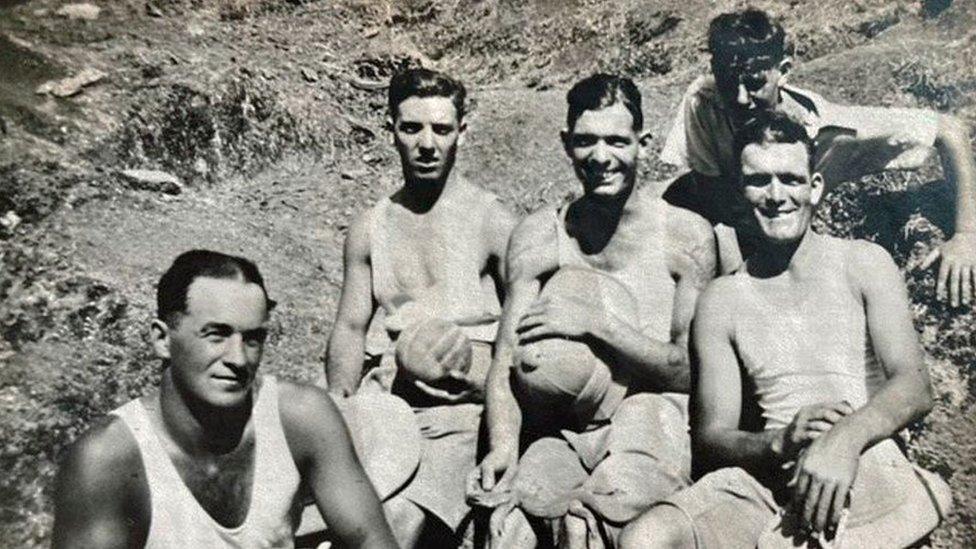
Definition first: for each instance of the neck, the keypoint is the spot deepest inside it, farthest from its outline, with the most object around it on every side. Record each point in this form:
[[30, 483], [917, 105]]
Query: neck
[[197, 427], [774, 258], [599, 218], [421, 196]]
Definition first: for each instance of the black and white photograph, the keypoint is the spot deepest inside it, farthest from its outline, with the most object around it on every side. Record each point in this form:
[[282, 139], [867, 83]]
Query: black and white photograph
[[488, 274]]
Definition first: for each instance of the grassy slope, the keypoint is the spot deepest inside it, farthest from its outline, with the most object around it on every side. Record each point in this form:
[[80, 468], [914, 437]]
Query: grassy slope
[[287, 163]]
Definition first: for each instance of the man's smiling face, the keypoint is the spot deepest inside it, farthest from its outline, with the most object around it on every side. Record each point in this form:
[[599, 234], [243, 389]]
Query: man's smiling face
[[604, 148], [215, 346], [777, 183]]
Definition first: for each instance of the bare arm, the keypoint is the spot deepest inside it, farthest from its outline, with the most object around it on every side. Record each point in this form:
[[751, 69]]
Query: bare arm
[[957, 270], [716, 403], [96, 502], [323, 451], [691, 260], [344, 357], [826, 470], [530, 254], [499, 225]]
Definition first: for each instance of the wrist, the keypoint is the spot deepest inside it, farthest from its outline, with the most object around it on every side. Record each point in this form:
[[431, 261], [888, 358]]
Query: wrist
[[776, 446]]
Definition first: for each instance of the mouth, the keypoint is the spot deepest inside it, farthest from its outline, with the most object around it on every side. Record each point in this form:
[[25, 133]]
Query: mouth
[[776, 214], [426, 166], [232, 379]]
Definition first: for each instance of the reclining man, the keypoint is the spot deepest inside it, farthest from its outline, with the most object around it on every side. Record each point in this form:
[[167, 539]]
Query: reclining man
[[430, 256], [619, 443], [219, 455], [749, 70], [802, 322]]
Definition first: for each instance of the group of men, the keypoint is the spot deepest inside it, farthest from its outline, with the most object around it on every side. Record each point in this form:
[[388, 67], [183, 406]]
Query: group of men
[[537, 373]]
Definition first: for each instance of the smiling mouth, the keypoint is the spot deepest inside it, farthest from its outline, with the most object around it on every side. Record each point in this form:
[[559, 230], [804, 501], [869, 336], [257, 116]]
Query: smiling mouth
[[240, 380], [775, 214]]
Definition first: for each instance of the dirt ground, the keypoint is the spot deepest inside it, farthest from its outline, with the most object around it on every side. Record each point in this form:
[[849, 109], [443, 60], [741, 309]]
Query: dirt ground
[[271, 114]]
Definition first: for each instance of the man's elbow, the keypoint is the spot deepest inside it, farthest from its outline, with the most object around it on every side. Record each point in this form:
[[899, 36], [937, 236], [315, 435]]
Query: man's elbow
[[924, 400]]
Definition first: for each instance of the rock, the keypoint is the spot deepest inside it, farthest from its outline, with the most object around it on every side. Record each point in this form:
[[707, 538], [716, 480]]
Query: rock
[[643, 24], [152, 180], [84, 11], [152, 10], [310, 75], [10, 220], [66, 87]]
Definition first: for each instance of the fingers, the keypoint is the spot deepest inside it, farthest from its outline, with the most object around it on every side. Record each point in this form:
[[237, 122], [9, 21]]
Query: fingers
[[822, 508], [838, 503], [810, 500], [955, 280], [940, 284], [967, 285], [930, 259], [446, 344]]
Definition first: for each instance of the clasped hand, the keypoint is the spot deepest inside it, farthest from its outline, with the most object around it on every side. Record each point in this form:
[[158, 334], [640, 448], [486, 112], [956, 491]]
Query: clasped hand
[[957, 269], [572, 317], [826, 464]]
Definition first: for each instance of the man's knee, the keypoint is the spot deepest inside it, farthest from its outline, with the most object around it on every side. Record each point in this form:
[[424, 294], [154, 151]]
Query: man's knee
[[406, 520], [662, 526]]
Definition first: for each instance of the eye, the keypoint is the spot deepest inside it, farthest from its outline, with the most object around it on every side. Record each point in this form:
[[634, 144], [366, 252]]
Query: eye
[[754, 81], [618, 141], [582, 140], [756, 180], [443, 129], [255, 338], [409, 127]]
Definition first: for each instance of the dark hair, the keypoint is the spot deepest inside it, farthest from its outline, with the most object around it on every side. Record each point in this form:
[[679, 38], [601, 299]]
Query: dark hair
[[175, 283], [425, 83], [603, 90], [775, 127], [733, 37]]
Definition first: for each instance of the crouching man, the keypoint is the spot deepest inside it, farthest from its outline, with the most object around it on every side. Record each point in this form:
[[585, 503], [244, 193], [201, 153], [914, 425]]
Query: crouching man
[[820, 329], [423, 266], [219, 455], [586, 398]]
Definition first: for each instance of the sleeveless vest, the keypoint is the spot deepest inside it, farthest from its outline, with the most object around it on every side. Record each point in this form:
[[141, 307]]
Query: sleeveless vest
[[178, 519], [469, 295]]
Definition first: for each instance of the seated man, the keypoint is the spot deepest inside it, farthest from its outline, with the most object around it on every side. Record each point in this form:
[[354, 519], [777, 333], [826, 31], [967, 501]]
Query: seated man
[[802, 322], [429, 256], [749, 69], [621, 444], [216, 457]]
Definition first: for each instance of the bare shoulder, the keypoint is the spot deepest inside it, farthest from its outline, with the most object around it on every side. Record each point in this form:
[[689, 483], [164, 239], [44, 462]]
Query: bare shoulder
[[718, 301], [358, 236], [306, 408], [690, 241], [103, 462], [868, 264], [533, 246]]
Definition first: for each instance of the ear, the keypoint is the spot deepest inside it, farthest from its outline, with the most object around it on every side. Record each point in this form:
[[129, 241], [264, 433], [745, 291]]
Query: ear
[[785, 66], [816, 188], [159, 336], [644, 143], [462, 131]]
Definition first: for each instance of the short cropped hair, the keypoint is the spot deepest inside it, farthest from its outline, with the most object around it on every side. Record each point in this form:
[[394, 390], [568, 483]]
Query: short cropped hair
[[747, 34], [775, 127], [171, 292], [418, 82], [602, 90]]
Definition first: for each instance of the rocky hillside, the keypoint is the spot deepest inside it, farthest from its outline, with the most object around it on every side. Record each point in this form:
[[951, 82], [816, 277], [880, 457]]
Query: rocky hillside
[[132, 130]]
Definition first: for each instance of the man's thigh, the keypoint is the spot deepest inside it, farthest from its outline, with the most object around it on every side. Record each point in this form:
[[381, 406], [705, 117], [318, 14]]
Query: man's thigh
[[726, 508]]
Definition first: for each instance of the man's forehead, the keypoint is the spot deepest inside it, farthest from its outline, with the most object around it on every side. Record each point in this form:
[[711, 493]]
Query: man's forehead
[[436, 109], [770, 158], [229, 300], [615, 119]]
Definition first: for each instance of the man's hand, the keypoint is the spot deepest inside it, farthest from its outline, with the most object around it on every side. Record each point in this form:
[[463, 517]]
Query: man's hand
[[464, 388], [498, 468], [809, 423], [572, 317], [957, 268], [823, 478]]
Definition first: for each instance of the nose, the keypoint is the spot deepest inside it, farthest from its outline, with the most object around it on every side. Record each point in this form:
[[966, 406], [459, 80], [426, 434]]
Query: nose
[[776, 192], [600, 154], [426, 141], [234, 354], [743, 96]]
